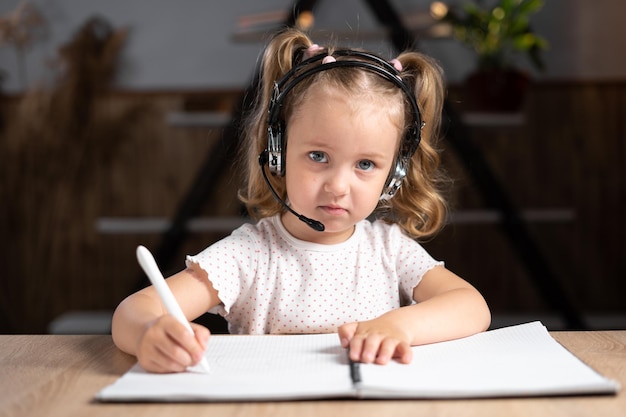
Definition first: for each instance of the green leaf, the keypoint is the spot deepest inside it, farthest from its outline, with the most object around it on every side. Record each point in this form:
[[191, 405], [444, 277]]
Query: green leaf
[[528, 7], [495, 29]]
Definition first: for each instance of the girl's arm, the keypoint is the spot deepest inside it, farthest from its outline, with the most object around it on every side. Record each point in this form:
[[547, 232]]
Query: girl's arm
[[142, 327], [447, 308]]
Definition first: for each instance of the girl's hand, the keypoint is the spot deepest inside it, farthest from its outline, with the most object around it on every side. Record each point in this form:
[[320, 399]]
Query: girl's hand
[[167, 346], [375, 341]]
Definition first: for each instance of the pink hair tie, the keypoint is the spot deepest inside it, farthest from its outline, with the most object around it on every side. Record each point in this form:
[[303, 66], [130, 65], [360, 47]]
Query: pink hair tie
[[396, 64], [313, 50], [328, 59]]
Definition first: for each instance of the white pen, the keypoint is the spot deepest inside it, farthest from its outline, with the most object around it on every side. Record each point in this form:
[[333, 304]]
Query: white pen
[[147, 262]]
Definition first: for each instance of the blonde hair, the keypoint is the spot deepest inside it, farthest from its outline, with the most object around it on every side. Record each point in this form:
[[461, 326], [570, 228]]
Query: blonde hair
[[418, 207]]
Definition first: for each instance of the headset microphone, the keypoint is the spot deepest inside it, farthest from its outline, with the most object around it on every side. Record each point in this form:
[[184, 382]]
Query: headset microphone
[[313, 224]]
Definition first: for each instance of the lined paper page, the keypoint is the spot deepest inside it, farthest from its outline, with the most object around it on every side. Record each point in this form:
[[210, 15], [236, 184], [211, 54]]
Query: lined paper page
[[520, 360], [248, 368]]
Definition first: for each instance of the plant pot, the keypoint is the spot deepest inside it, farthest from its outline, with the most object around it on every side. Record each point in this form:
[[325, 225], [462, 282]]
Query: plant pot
[[497, 90]]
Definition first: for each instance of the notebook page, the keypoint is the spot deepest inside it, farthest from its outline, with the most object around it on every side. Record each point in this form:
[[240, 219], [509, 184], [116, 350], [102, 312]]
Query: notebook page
[[521, 360], [248, 368]]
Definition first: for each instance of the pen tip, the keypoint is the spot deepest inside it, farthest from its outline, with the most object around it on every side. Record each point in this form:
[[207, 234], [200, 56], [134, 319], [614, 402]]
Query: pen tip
[[201, 367]]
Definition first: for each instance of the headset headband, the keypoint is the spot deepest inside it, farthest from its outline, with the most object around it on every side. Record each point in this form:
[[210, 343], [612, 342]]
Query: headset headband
[[383, 68]]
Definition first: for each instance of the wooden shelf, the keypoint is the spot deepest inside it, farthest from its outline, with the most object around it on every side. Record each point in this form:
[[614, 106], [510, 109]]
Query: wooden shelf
[[153, 225], [198, 119], [480, 119]]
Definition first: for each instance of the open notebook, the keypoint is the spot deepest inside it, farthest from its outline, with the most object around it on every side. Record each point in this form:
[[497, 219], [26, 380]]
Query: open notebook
[[522, 360]]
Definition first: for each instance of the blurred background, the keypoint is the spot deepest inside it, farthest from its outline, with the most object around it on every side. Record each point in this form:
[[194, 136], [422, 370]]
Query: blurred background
[[118, 124]]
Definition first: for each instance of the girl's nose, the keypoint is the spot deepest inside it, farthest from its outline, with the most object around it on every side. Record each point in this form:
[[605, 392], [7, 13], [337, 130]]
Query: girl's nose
[[338, 181]]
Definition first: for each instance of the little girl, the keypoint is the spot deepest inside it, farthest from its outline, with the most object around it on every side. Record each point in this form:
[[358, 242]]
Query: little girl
[[345, 136]]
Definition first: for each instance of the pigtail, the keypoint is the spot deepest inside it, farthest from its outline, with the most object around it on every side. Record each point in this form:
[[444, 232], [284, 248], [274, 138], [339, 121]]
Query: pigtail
[[419, 207], [283, 51]]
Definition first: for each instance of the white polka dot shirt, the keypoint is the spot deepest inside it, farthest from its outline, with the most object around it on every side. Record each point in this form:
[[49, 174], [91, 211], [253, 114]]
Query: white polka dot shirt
[[270, 282]]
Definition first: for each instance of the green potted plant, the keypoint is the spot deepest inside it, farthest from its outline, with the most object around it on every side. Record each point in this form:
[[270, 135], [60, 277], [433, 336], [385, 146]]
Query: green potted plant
[[497, 31]]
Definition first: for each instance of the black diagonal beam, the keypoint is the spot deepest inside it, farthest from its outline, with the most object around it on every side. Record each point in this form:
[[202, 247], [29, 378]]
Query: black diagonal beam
[[217, 161], [492, 192], [515, 228], [387, 16]]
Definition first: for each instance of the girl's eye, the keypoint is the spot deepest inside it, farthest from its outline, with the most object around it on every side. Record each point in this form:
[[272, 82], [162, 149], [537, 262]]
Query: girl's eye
[[318, 156], [365, 165]]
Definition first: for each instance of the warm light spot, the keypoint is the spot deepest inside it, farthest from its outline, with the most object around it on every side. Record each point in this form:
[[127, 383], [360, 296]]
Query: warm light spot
[[305, 20], [438, 10]]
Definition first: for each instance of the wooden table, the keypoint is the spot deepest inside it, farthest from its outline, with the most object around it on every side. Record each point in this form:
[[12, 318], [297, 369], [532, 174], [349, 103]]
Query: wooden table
[[43, 375]]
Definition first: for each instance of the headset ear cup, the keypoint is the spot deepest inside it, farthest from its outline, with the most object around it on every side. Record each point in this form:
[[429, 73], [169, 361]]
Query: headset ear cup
[[395, 182], [275, 160]]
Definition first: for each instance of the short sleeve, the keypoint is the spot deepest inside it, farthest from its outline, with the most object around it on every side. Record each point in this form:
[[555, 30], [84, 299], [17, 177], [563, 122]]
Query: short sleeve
[[410, 260], [230, 265]]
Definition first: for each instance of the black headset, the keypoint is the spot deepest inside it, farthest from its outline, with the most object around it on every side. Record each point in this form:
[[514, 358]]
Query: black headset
[[274, 155], [276, 126]]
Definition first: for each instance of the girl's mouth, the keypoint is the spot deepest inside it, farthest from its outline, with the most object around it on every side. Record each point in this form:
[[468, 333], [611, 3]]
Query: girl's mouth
[[334, 210]]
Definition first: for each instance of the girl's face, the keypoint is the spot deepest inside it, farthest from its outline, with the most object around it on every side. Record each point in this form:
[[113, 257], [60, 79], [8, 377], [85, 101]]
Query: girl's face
[[339, 154]]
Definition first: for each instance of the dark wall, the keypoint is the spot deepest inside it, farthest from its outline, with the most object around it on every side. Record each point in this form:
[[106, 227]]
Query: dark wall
[[568, 153]]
